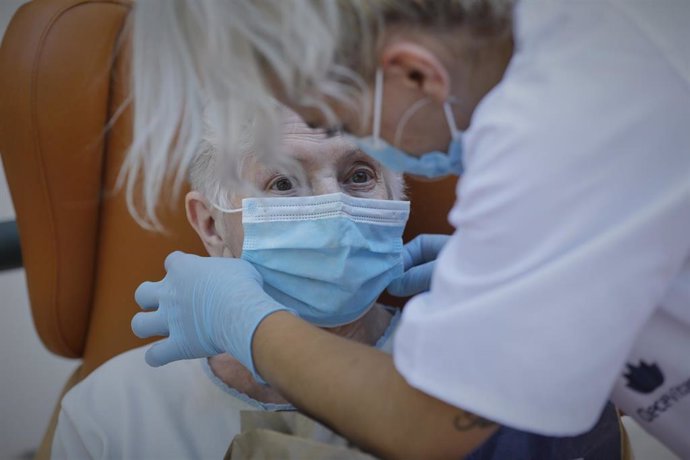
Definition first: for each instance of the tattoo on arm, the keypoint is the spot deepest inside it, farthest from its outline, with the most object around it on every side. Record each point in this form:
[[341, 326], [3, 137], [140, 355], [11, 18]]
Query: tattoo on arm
[[465, 421]]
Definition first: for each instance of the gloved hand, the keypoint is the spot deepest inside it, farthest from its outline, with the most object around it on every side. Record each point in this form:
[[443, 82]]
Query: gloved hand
[[419, 257], [206, 306]]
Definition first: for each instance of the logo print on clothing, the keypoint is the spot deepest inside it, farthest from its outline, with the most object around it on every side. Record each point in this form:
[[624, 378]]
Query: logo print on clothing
[[644, 378]]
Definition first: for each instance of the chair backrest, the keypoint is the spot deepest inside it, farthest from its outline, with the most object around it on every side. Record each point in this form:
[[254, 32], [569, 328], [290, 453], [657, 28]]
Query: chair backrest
[[63, 76]]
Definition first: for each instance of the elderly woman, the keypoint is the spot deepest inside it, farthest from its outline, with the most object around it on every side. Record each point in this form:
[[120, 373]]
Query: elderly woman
[[191, 409], [565, 283]]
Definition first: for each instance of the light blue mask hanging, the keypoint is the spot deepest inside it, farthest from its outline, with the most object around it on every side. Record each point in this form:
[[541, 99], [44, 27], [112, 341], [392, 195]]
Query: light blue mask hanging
[[431, 164], [328, 257]]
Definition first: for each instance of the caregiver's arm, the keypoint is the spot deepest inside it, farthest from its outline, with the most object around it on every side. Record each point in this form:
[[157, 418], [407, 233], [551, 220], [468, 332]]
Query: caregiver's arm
[[357, 390], [210, 305]]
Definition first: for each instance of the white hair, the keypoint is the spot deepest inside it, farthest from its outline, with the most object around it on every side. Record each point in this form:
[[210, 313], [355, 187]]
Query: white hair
[[224, 57], [211, 57]]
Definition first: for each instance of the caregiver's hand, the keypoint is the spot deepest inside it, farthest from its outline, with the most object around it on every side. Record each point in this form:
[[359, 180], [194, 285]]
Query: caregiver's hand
[[206, 306], [419, 257]]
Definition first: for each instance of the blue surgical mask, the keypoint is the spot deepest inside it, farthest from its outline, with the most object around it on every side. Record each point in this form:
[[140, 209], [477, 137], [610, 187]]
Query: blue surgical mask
[[328, 257], [431, 164]]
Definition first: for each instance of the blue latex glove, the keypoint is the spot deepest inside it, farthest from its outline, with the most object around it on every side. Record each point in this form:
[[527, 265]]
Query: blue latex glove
[[206, 306], [419, 258]]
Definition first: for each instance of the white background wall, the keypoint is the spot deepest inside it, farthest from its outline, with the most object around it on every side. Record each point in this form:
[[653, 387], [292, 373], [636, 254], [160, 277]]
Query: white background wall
[[31, 378]]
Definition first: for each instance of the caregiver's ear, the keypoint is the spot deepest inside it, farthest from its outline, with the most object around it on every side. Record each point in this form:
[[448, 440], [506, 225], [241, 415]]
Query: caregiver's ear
[[200, 217], [415, 67]]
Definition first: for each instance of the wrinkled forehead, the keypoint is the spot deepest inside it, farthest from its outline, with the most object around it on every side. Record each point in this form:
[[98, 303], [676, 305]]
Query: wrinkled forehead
[[303, 147], [293, 125]]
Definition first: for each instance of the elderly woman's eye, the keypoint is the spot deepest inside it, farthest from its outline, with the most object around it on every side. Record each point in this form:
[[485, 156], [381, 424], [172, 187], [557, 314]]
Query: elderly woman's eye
[[282, 184], [361, 176], [333, 131]]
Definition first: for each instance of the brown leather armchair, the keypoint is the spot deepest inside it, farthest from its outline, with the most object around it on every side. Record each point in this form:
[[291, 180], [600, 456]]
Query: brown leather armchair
[[63, 76]]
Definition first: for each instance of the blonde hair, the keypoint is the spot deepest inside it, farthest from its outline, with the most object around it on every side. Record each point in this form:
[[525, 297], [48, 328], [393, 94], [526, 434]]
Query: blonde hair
[[224, 59]]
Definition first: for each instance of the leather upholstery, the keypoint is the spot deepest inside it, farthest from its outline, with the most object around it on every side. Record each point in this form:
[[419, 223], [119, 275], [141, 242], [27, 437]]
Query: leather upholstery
[[63, 75]]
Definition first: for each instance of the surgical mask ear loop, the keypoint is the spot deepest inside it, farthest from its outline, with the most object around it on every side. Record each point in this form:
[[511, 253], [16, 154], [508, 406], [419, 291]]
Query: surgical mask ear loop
[[378, 106], [450, 119], [378, 101], [447, 111], [409, 113], [227, 210]]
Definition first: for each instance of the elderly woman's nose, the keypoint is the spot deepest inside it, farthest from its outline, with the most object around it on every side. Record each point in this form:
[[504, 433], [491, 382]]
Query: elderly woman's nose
[[325, 186]]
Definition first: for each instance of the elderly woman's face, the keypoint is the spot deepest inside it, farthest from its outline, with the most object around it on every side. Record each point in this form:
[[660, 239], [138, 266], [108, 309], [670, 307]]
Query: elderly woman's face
[[328, 165]]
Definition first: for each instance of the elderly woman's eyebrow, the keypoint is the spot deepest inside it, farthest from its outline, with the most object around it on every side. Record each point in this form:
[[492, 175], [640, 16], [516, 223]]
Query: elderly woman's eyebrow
[[354, 153]]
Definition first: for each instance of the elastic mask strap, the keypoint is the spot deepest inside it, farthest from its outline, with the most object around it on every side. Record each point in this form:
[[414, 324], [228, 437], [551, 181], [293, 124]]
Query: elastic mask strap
[[378, 102], [407, 115], [450, 119], [228, 210]]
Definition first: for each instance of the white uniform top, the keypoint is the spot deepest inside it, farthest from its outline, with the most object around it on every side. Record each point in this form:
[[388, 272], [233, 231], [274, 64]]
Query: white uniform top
[[570, 266]]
